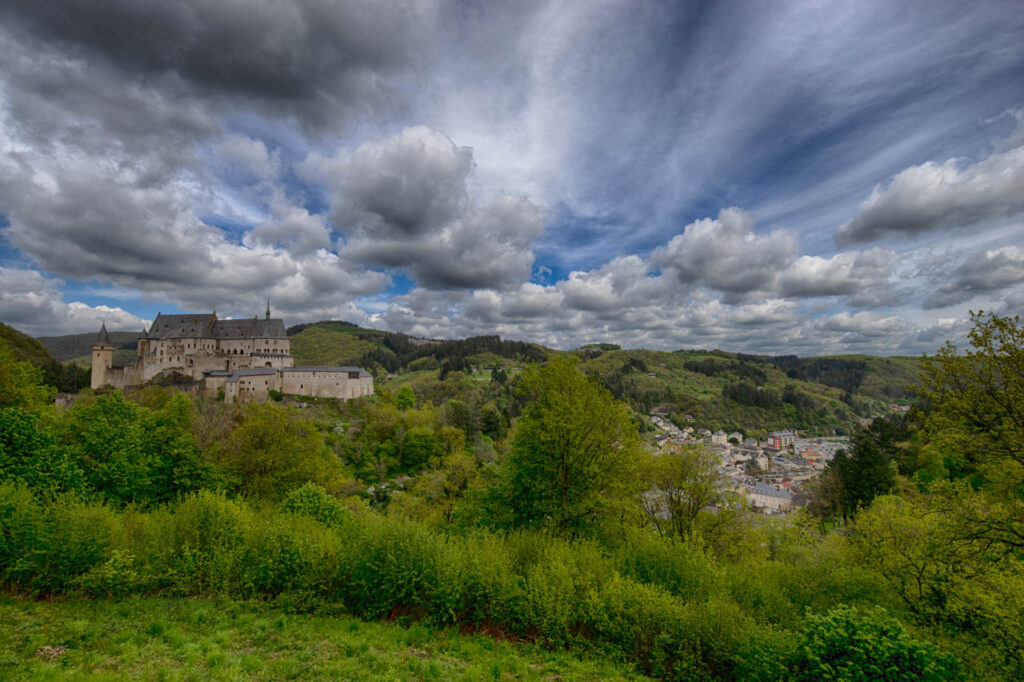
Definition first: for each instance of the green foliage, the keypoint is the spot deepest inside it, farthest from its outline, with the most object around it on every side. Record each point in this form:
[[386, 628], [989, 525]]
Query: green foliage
[[574, 455], [866, 472], [277, 449], [21, 383], [683, 481], [847, 644], [30, 453], [133, 454], [406, 397], [313, 501], [978, 399], [925, 551]]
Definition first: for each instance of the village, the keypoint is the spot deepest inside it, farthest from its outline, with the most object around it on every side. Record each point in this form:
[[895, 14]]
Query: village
[[768, 474]]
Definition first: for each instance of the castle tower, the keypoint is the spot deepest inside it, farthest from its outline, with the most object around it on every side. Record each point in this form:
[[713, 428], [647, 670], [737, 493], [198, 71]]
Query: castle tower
[[102, 358]]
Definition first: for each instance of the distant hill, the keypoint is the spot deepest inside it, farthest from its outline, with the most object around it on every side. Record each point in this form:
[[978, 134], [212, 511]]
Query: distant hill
[[77, 348], [717, 389], [24, 347], [343, 343], [67, 378], [720, 390]]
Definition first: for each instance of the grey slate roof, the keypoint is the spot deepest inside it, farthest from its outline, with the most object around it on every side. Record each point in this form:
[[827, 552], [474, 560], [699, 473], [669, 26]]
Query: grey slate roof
[[771, 491], [207, 326], [103, 338]]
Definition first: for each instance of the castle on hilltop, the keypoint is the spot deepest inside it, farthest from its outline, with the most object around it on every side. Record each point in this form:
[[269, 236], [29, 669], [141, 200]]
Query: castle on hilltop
[[245, 359]]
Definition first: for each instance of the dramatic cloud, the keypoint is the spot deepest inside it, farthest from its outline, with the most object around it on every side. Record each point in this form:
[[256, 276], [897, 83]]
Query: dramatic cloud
[[844, 274], [33, 304], [933, 196], [560, 172], [300, 50], [987, 271], [402, 202], [727, 255]]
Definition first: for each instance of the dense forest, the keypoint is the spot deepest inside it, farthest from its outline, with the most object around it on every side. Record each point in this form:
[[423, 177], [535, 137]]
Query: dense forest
[[526, 505]]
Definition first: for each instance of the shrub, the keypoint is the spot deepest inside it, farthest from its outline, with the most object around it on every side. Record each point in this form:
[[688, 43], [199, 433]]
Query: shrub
[[848, 644], [288, 553], [313, 501]]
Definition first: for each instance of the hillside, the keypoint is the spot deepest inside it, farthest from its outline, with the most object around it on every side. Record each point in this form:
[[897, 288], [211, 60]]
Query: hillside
[[78, 347], [719, 390], [24, 347], [707, 389], [343, 343]]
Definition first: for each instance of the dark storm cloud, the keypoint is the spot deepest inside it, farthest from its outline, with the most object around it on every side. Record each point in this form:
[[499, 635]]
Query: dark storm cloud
[[263, 48], [399, 187]]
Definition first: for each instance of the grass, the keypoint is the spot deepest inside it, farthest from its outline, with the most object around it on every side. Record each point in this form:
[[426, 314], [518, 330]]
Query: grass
[[198, 639]]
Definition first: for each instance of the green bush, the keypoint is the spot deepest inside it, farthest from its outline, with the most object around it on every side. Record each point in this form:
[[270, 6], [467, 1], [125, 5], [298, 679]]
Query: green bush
[[313, 501], [201, 541], [288, 553], [849, 644], [48, 545]]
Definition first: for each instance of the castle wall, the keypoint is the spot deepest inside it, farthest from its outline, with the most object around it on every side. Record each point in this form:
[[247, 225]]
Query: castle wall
[[256, 387], [326, 384]]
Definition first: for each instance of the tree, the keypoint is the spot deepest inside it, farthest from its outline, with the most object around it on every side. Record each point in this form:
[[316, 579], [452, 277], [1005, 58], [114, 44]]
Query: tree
[[977, 398], [853, 479], [976, 426], [406, 397], [276, 449], [21, 383], [575, 451], [848, 644], [684, 480]]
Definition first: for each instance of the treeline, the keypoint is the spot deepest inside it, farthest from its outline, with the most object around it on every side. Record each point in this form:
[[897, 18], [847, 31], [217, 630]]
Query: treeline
[[400, 351], [712, 367], [841, 373]]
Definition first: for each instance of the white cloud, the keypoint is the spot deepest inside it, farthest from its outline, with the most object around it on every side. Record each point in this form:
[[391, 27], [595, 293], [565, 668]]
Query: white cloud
[[34, 304], [726, 254], [933, 196], [984, 272]]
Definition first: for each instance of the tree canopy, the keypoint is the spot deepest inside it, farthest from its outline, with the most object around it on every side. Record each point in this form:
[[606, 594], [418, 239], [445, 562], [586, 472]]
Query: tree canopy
[[575, 451]]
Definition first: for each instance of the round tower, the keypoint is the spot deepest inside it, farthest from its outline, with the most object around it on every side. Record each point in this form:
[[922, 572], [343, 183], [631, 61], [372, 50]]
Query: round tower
[[102, 358]]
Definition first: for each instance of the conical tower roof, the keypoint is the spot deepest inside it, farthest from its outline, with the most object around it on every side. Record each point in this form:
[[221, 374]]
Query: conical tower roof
[[103, 338]]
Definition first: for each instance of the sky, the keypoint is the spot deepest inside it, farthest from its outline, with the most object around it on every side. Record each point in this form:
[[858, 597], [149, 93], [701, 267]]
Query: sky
[[792, 177]]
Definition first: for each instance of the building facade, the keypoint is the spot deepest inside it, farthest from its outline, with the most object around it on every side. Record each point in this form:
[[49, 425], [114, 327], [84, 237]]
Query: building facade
[[246, 359]]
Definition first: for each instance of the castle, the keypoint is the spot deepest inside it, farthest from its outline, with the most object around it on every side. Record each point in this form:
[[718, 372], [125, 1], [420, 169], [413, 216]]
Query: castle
[[244, 359]]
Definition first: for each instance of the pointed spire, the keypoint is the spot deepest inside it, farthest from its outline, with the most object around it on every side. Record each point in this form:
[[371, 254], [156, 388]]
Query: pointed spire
[[103, 338], [268, 308]]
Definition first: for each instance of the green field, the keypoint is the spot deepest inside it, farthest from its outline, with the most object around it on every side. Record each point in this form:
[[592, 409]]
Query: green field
[[199, 639]]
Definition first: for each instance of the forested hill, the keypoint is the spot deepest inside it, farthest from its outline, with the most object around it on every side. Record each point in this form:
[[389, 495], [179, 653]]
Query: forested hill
[[78, 347], [343, 343], [23, 347], [731, 391], [716, 388], [734, 391]]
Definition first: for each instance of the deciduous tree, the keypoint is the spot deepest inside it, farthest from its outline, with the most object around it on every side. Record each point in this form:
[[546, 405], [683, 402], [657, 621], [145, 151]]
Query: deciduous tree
[[575, 451]]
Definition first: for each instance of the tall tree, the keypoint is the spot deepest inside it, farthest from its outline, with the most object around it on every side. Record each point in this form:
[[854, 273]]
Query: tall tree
[[575, 451], [977, 397], [684, 480]]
